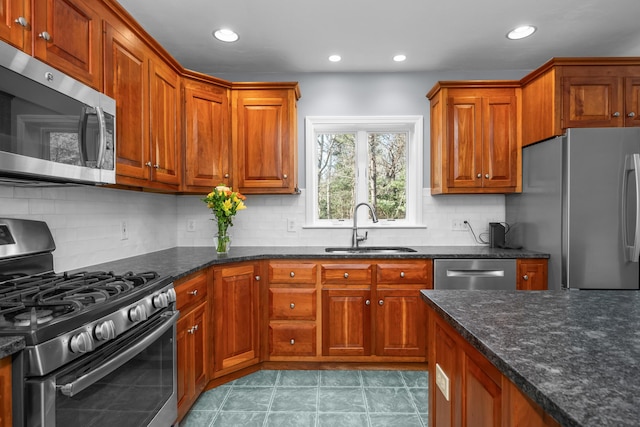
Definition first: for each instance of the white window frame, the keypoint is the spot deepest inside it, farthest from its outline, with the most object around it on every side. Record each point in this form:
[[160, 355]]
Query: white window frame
[[413, 125]]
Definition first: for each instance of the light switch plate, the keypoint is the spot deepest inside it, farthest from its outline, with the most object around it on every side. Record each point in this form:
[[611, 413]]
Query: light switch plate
[[442, 381]]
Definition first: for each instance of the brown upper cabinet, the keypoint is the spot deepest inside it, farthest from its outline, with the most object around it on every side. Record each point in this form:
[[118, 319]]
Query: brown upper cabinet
[[580, 92], [15, 23], [207, 136], [474, 137], [264, 118], [67, 34]]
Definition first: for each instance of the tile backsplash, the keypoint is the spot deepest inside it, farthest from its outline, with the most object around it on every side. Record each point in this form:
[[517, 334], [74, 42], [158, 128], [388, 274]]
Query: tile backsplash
[[86, 222]]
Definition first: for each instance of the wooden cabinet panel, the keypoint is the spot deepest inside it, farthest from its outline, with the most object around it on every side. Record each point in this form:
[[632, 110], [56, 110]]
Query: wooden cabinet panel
[[404, 273], [474, 137], [591, 101], [192, 290], [236, 311], [632, 101], [165, 123], [532, 274], [482, 392], [68, 35], [400, 323], [292, 338], [341, 274], [207, 137], [265, 138], [12, 14], [445, 410], [292, 303], [292, 272], [346, 322], [126, 79], [6, 418]]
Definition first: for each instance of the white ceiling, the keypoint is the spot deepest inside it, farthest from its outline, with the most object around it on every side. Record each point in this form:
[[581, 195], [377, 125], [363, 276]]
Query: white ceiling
[[297, 36]]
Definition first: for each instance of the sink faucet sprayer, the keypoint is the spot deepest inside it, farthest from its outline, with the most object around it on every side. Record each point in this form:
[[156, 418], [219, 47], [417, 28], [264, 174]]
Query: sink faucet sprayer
[[356, 239]]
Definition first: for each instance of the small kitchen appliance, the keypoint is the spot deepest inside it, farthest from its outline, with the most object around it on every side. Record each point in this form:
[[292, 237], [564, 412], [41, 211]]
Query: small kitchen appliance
[[100, 346], [496, 235]]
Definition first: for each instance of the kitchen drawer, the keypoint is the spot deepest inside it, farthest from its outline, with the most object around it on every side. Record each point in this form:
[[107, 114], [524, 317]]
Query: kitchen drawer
[[343, 274], [192, 289], [292, 339], [292, 303], [410, 272], [280, 272]]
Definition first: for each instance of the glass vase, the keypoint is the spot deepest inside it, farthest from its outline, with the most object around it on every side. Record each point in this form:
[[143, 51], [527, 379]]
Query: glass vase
[[222, 240]]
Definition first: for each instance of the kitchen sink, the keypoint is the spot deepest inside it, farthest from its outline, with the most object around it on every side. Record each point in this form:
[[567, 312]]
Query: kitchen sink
[[371, 250]]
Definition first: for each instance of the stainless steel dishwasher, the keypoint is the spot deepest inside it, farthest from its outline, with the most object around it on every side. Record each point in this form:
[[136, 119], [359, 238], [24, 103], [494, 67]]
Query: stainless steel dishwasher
[[475, 274]]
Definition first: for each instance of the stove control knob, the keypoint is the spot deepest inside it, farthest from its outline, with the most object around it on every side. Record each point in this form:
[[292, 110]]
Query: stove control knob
[[171, 295], [138, 313], [105, 331], [161, 300], [81, 343]]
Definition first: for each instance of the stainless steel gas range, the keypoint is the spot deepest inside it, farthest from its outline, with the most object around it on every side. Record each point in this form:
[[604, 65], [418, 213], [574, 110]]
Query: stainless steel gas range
[[100, 346]]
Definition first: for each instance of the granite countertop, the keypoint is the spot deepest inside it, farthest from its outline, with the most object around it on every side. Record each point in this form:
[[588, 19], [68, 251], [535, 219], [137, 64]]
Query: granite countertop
[[181, 261], [575, 353], [10, 345]]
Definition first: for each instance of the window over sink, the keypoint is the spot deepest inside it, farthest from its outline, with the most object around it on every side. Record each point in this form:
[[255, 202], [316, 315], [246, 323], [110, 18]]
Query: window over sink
[[371, 159]]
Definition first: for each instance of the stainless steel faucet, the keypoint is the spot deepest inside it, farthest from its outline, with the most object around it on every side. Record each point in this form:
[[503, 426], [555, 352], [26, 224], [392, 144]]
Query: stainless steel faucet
[[356, 239]]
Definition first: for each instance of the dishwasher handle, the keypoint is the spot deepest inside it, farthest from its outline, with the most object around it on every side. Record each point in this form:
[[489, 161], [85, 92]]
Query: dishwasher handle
[[475, 273]]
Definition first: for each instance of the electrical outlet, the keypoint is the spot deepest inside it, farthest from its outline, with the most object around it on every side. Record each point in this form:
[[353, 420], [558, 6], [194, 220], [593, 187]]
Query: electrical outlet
[[124, 230], [291, 225], [191, 225], [458, 225]]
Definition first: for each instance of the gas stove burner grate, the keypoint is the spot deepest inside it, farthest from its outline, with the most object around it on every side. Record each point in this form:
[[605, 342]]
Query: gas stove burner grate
[[35, 316]]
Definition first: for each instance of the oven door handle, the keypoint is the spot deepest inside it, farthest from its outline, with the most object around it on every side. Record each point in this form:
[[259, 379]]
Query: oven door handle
[[97, 374]]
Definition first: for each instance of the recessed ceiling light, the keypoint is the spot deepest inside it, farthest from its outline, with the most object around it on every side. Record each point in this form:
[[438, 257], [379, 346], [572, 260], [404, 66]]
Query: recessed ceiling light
[[225, 35], [335, 58], [399, 58], [521, 32]]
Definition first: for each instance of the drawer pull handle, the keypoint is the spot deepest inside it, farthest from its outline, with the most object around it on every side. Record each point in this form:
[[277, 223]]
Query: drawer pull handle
[[292, 341], [346, 275], [292, 306], [193, 292], [292, 274], [525, 277], [402, 274]]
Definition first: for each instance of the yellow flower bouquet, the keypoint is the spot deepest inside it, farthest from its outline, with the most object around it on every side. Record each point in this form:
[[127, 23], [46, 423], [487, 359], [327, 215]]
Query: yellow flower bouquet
[[224, 203]]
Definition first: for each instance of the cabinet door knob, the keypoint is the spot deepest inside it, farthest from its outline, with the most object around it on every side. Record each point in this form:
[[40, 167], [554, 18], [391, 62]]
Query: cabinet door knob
[[193, 292], [292, 306], [402, 274], [257, 278], [292, 274], [525, 277], [486, 176], [616, 114], [381, 302], [479, 175], [285, 176], [367, 302], [148, 164], [292, 341], [156, 166], [631, 114], [346, 275], [226, 175], [22, 21], [45, 36], [192, 330]]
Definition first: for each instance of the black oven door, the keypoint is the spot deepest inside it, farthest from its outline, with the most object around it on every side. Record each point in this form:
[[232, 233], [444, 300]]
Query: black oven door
[[130, 382]]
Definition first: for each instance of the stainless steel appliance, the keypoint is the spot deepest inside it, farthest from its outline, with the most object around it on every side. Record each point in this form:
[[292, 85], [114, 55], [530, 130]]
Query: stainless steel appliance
[[475, 274], [100, 346], [580, 203], [52, 127]]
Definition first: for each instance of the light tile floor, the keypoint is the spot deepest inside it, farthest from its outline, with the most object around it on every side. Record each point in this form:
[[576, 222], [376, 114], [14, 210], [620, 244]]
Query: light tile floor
[[315, 399]]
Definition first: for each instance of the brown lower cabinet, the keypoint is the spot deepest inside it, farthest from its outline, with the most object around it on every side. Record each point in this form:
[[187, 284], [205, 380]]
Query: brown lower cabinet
[[478, 394], [5, 392]]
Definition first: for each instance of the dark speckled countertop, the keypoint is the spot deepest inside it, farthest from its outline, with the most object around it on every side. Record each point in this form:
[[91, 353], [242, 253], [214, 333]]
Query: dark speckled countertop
[[576, 353], [10, 345], [181, 261]]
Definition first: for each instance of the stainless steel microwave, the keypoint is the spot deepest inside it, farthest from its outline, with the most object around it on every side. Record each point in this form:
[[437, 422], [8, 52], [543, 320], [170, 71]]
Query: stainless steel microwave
[[52, 127]]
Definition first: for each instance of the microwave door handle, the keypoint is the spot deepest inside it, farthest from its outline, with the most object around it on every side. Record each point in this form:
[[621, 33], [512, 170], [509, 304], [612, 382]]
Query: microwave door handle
[[73, 388], [102, 129], [631, 165], [82, 137]]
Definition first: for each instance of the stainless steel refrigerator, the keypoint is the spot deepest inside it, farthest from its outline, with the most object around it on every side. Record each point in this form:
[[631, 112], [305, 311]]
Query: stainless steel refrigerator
[[580, 203]]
